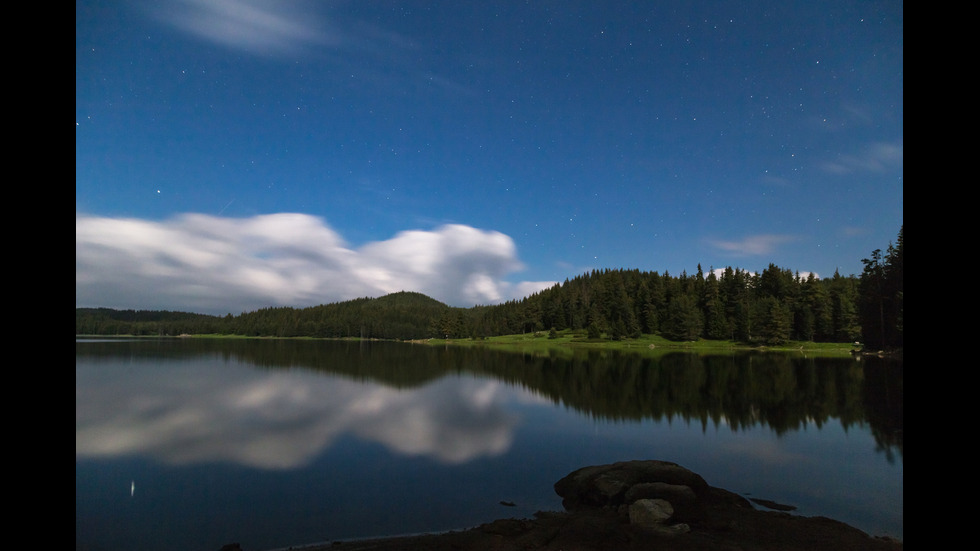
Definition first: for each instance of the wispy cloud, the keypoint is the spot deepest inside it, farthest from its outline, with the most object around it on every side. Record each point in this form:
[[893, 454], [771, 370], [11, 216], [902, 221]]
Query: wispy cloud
[[289, 28], [209, 264], [259, 27], [876, 158], [753, 245]]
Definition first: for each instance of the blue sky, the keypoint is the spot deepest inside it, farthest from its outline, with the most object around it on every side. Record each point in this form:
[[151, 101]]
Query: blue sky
[[232, 155]]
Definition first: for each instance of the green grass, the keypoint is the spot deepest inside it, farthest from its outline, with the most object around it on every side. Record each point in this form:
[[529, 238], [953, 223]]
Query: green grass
[[566, 342], [540, 342]]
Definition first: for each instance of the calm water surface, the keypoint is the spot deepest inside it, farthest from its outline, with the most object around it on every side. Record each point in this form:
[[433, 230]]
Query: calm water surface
[[191, 444]]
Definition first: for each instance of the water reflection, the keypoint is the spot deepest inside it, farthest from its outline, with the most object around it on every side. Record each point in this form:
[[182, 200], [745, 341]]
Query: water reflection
[[282, 415], [275, 419], [184, 444]]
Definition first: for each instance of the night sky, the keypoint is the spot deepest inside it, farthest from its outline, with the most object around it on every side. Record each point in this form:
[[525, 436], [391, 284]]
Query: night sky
[[233, 155]]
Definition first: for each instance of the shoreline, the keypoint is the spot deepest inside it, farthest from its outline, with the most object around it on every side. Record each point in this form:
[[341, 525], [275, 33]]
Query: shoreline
[[540, 342], [632, 506]]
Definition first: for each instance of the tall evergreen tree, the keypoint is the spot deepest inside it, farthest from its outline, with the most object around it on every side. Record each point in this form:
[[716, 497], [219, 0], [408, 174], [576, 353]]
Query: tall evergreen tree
[[881, 297], [684, 321], [773, 321], [716, 325]]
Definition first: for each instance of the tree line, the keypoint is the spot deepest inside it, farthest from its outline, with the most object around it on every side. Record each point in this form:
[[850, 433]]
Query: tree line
[[771, 307]]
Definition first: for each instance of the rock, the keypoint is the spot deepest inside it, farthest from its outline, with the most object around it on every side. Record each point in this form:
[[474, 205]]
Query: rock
[[653, 514], [679, 528], [608, 485], [650, 512], [724, 520], [769, 504], [607, 490], [674, 493]]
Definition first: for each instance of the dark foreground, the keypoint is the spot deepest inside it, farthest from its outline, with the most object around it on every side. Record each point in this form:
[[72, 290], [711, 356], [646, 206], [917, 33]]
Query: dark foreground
[[649, 505]]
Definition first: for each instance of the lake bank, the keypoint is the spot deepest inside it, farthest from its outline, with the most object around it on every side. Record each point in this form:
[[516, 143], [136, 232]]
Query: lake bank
[[602, 504], [543, 341]]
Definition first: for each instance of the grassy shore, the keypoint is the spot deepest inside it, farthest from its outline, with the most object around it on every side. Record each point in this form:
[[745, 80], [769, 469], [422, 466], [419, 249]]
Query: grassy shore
[[544, 342]]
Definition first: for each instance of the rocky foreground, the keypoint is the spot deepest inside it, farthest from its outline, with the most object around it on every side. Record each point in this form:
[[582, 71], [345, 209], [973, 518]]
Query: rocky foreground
[[633, 505]]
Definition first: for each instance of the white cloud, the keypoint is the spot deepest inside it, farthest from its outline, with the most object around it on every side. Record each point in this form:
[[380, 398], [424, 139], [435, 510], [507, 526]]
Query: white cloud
[[265, 28], [754, 245], [209, 264], [291, 29], [879, 157]]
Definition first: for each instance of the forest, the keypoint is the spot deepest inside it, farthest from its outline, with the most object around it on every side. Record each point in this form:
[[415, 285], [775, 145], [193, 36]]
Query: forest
[[767, 308]]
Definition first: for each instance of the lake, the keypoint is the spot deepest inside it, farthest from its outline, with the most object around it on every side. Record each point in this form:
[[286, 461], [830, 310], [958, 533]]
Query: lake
[[188, 444]]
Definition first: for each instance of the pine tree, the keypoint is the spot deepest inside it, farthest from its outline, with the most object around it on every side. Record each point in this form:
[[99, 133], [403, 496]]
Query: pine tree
[[683, 321], [882, 296], [773, 321]]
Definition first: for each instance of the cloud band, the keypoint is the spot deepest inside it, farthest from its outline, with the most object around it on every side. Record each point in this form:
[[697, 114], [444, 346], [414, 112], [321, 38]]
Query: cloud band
[[209, 264]]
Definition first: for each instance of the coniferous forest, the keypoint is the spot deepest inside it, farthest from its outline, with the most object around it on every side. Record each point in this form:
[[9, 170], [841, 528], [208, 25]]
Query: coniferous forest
[[767, 308]]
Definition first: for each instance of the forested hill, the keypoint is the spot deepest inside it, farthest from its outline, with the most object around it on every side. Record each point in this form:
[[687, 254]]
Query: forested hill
[[766, 308], [771, 307], [400, 316]]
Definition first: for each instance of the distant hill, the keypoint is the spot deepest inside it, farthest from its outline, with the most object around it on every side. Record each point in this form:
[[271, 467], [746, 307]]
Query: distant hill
[[137, 316], [107, 321], [409, 300], [401, 316]]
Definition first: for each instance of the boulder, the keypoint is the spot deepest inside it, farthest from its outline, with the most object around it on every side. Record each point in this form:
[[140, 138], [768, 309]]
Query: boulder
[[650, 512], [674, 493], [611, 485], [724, 520]]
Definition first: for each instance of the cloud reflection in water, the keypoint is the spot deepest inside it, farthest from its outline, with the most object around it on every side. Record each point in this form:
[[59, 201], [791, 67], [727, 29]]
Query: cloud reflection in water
[[279, 419]]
